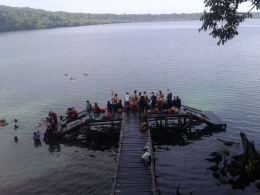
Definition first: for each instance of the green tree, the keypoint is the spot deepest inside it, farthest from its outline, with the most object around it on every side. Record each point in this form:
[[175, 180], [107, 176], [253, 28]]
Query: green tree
[[224, 18]]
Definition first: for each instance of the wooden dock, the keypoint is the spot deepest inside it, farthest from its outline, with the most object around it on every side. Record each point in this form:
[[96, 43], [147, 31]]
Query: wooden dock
[[131, 175], [186, 117]]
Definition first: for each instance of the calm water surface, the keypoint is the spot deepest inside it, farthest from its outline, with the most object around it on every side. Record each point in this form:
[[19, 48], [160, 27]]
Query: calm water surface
[[122, 57]]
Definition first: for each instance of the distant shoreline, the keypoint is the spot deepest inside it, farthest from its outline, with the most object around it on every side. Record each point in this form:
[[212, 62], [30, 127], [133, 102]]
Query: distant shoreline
[[14, 18]]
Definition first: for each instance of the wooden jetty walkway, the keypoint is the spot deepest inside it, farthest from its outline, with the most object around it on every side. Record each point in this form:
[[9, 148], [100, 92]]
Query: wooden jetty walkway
[[131, 175]]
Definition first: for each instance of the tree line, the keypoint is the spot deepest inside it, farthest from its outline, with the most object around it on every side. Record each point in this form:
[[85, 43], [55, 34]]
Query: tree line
[[27, 18], [14, 18]]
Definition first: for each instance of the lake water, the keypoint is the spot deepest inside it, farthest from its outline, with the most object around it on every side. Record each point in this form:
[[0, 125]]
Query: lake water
[[122, 57]]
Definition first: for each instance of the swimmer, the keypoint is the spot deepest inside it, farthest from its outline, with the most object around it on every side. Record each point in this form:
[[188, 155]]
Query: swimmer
[[111, 92], [38, 124]]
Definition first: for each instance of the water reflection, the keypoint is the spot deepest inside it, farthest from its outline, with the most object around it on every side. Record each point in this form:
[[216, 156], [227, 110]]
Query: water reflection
[[98, 138], [174, 135]]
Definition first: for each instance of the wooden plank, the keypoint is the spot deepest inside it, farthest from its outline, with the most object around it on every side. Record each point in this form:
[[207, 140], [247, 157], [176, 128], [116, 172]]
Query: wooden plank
[[130, 193], [213, 118], [132, 175]]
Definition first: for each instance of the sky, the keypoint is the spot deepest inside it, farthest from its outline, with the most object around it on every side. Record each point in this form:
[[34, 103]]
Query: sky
[[115, 6]]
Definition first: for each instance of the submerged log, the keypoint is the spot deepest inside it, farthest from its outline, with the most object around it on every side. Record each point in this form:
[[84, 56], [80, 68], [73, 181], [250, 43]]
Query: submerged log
[[227, 143], [249, 149]]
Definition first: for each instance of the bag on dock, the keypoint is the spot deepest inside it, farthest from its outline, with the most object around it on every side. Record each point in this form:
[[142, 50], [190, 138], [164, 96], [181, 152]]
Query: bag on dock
[[143, 127]]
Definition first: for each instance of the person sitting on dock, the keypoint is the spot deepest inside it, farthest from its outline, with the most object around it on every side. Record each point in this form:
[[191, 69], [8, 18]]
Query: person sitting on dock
[[96, 109], [146, 156], [178, 102], [88, 106], [69, 115], [174, 101], [74, 113]]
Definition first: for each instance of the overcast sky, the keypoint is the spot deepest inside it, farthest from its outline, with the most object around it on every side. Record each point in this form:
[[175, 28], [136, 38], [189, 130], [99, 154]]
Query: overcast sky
[[115, 6]]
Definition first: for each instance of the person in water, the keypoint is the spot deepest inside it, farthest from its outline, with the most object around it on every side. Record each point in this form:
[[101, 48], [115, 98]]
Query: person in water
[[111, 92], [36, 139]]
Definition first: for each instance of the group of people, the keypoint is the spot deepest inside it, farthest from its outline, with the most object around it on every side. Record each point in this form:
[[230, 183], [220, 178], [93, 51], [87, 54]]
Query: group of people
[[51, 123], [142, 102], [138, 101], [72, 114]]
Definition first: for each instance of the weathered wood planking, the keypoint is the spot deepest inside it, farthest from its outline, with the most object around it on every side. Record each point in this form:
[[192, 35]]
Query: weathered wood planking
[[131, 175]]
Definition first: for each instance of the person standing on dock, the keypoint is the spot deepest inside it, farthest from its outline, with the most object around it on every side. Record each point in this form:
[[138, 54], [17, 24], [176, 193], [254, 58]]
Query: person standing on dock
[[115, 101], [169, 98], [153, 101], [145, 102], [127, 101], [109, 107], [160, 100], [88, 106], [134, 99], [141, 106]]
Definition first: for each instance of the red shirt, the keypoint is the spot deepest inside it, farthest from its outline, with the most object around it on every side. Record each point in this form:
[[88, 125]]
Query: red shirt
[[53, 113], [74, 113], [96, 109]]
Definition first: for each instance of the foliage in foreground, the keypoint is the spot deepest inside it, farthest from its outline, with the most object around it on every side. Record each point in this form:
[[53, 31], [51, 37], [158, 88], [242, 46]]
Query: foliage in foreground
[[224, 18]]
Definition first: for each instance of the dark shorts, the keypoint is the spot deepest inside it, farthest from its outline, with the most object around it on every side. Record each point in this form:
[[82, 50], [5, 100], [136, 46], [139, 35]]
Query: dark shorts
[[127, 103], [114, 107]]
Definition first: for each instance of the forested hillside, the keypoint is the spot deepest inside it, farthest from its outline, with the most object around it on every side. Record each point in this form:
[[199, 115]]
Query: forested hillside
[[12, 18]]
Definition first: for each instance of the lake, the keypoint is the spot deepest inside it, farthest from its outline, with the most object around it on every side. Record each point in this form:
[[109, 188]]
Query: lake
[[122, 57]]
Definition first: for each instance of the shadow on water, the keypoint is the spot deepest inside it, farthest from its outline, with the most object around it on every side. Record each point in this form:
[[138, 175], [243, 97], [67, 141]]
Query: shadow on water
[[97, 138], [175, 136], [167, 135]]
